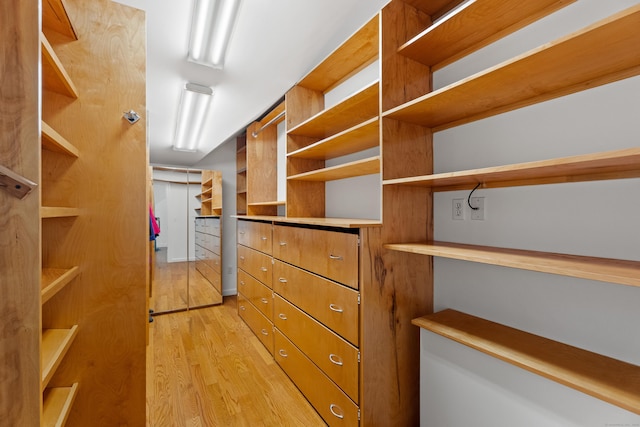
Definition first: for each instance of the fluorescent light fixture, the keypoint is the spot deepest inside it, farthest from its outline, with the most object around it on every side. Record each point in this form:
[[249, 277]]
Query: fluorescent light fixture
[[211, 28], [191, 115]]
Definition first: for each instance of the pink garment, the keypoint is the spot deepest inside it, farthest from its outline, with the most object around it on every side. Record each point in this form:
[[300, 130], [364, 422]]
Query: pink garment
[[154, 223]]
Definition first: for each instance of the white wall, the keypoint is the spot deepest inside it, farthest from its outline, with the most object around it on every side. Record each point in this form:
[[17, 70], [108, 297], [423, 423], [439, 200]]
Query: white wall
[[460, 386], [223, 159], [179, 226]]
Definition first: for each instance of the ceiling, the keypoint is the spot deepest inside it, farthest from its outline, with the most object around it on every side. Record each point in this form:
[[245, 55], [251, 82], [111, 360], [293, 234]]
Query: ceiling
[[274, 44]]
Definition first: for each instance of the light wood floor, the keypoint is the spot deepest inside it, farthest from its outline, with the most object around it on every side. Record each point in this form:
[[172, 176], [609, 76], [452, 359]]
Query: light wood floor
[[206, 368]]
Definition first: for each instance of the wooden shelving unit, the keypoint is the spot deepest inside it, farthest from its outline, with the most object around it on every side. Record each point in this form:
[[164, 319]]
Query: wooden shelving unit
[[592, 268], [211, 195], [472, 26], [58, 212], [241, 175], [56, 405], [550, 71], [615, 164], [54, 75], [347, 170], [53, 141], [54, 279], [55, 344], [599, 376]]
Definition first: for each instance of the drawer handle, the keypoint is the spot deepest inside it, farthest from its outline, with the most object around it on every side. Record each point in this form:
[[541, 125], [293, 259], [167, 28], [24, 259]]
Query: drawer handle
[[264, 300], [282, 316], [335, 359], [264, 237], [264, 332], [243, 308], [336, 308], [241, 233], [283, 243], [242, 282], [338, 414], [282, 280], [336, 257], [265, 269], [241, 258], [283, 353]]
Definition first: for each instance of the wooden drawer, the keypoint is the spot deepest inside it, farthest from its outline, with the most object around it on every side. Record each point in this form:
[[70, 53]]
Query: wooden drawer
[[213, 244], [211, 275], [332, 304], [255, 263], [200, 239], [256, 235], [257, 322], [213, 261], [333, 405], [330, 254], [335, 356], [212, 226], [257, 293], [200, 225]]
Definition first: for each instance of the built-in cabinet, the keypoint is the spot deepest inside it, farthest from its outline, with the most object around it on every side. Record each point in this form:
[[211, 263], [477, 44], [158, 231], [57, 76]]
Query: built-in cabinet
[[83, 331]]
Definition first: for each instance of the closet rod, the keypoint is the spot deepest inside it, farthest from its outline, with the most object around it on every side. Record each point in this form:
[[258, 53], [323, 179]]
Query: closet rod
[[269, 123]]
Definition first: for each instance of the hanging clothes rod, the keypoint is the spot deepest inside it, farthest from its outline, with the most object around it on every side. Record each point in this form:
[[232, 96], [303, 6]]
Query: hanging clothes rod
[[269, 123]]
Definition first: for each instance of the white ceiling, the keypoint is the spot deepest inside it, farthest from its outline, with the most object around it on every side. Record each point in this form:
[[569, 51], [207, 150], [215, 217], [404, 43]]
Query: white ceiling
[[274, 44]]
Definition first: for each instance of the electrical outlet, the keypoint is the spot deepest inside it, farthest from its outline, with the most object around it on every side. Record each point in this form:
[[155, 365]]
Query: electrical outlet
[[458, 209], [480, 213]]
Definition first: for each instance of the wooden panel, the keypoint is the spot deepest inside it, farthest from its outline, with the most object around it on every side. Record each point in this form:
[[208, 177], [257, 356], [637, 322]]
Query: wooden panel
[[599, 376], [334, 254], [336, 357], [354, 54], [54, 279], [360, 137], [55, 344], [552, 70], [54, 74], [324, 222], [472, 26], [262, 164], [57, 403], [606, 165], [58, 212], [302, 103], [256, 235], [592, 268], [257, 322], [355, 109], [55, 18], [433, 7], [20, 260], [256, 293], [110, 240], [256, 264], [333, 405], [52, 140], [332, 304], [362, 167]]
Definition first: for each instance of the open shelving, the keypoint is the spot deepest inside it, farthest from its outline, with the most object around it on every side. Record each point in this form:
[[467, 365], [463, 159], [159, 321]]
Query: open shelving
[[602, 377], [55, 343], [346, 170], [241, 174], [58, 212], [54, 75], [54, 279], [555, 69], [56, 405], [471, 26], [53, 141]]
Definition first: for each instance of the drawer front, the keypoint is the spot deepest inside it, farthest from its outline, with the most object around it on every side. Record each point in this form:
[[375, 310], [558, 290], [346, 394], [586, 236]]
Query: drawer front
[[200, 225], [256, 235], [335, 356], [211, 275], [257, 293], [201, 239], [212, 226], [328, 253], [332, 304], [213, 244], [255, 263], [200, 252], [257, 322], [332, 404], [213, 260]]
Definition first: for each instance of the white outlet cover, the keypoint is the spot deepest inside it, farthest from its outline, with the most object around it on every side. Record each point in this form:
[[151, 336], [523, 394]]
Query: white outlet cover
[[480, 213]]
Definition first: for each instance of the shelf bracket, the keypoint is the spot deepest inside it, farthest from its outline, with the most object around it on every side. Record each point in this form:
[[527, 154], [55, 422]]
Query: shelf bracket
[[17, 185]]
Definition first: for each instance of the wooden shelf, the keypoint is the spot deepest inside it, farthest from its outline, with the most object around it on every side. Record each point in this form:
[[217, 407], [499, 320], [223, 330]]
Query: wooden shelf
[[357, 52], [433, 7], [325, 222], [58, 212], [55, 343], [472, 26], [242, 170], [54, 76], [348, 170], [591, 268], [597, 166], [359, 107], [360, 137], [54, 279], [602, 377], [275, 203], [550, 71], [54, 17], [56, 405], [53, 141]]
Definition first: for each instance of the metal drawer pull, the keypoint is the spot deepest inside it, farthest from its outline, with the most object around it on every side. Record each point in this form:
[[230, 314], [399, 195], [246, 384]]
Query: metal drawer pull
[[241, 232], [338, 414], [243, 308], [282, 280], [283, 353], [242, 282], [264, 332], [241, 258], [336, 308], [264, 238], [336, 257], [264, 300], [335, 359], [282, 316], [283, 243], [265, 269]]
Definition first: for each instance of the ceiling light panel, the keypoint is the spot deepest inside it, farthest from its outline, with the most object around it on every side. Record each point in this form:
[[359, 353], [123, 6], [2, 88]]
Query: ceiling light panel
[[211, 28], [192, 113]]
